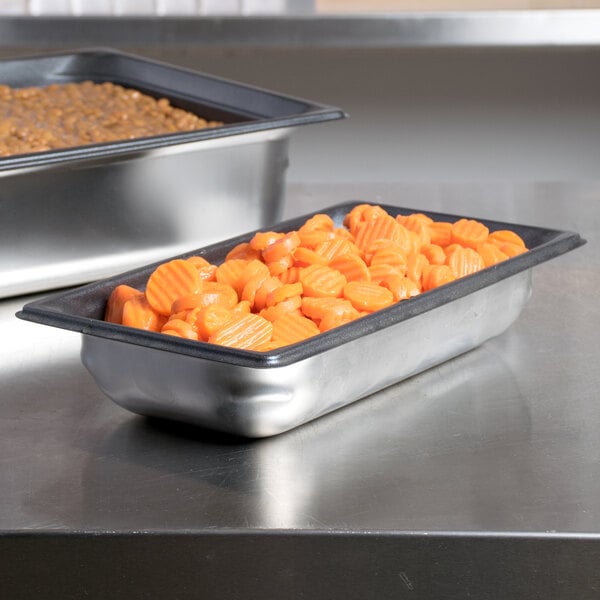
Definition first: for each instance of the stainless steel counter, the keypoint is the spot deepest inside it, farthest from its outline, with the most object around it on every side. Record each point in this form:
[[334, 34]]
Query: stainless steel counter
[[478, 478]]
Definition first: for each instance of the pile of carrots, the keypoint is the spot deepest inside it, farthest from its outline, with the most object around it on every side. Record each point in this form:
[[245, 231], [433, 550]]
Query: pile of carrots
[[282, 288]]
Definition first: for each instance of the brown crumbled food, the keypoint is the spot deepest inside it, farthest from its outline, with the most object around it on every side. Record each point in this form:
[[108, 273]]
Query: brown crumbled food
[[36, 119]]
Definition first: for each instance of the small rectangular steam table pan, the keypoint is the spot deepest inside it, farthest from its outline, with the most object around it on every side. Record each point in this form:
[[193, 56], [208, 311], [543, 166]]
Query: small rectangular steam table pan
[[74, 215], [258, 394]]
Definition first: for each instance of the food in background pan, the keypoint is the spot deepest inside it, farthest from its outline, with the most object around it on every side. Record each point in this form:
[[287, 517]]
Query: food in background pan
[[37, 119], [282, 288]]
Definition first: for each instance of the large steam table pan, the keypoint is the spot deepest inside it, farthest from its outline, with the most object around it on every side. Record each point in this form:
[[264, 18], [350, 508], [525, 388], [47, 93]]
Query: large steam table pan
[[258, 394], [74, 215]]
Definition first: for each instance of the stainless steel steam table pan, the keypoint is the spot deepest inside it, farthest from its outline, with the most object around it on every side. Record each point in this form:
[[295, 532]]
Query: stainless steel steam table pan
[[78, 214], [258, 394]]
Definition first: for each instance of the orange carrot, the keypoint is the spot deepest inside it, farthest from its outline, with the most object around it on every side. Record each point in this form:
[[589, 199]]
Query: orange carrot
[[491, 253], [287, 290], [254, 267], [414, 268], [320, 280], [401, 287], [319, 221], [292, 328], [384, 226], [464, 261], [209, 319], [436, 275], [435, 254], [138, 313], [289, 305], [116, 301], [281, 248], [367, 296], [304, 257], [337, 246], [317, 308], [440, 233], [311, 238], [243, 250], [469, 233], [262, 239], [351, 266], [502, 236], [292, 275], [180, 328], [170, 281], [230, 271], [380, 271], [198, 261], [262, 292], [512, 249], [248, 332]]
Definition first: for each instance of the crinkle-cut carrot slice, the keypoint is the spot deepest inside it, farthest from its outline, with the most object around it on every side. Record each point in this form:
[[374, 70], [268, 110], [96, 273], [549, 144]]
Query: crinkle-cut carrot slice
[[262, 292], [137, 312], [380, 244], [435, 254], [251, 287], [469, 233], [317, 308], [421, 231], [262, 239], [336, 247], [287, 290], [186, 303], [380, 271], [401, 287], [414, 268], [464, 261], [332, 320], [230, 271], [180, 328], [292, 275], [351, 266], [277, 267], [116, 301], [502, 236], [319, 221], [253, 268], [248, 332], [440, 233], [322, 281], [208, 273], [243, 250], [170, 281], [290, 305], [342, 232], [491, 254], [243, 306], [367, 296], [384, 226], [409, 221], [281, 248], [198, 261], [211, 292], [355, 216], [512, 249], [209, 319], [292, 328], [304, 257], [436, 275], [311, 238], [392, 255]]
